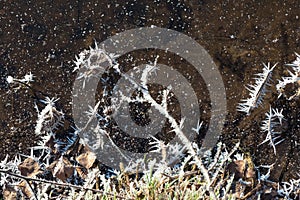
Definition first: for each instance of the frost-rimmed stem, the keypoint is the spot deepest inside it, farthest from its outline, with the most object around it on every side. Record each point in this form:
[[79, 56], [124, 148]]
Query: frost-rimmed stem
[[269, 125], [58, 184], [257, 90]]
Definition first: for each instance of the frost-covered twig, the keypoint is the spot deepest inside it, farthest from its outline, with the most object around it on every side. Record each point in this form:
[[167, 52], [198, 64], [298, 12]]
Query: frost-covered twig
[[67, 185], [269, 125], [92, 63], [224, 157], [293, 78], [49, 119], [176, 127], [257, 91], [26, 80]]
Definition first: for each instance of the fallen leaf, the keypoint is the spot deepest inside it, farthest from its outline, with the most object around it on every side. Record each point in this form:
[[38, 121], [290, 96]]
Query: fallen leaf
[[9, 193], [62, 168], [238, 168], [29, 167], [25, 189], [86, 159]]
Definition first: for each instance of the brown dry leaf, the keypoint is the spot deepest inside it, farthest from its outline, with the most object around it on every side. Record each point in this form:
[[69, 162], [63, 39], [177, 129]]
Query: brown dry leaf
[[29, 167], [82, 172], [239, 190], [237, 167], [25, 189], [9, 193], [86, 159], [51, 144], [62, 168], [250, 173], [243, 169]]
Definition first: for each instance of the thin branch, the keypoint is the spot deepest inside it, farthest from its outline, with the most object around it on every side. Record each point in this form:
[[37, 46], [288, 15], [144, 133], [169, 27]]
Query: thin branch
[[222, 163], [59, 184], [31, 189], [186, 174]]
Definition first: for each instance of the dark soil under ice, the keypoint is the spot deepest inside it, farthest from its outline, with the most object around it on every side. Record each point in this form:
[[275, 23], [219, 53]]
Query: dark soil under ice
[[44, 36]]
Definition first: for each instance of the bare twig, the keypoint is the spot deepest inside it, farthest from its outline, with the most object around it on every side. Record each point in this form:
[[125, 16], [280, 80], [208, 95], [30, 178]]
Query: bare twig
[[222, 163], [59, 184], [188, 173]]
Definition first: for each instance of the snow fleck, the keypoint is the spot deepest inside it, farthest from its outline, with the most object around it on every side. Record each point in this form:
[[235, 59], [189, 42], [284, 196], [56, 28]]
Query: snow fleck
[[9, 79]]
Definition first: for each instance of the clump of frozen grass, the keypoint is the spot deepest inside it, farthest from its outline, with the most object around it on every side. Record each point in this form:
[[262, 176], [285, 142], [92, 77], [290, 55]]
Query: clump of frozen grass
[[257, 90], [165, 181]]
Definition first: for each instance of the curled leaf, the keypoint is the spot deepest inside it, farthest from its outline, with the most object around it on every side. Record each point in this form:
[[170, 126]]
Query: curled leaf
[[86, 159], [62, 169], [29, 167]]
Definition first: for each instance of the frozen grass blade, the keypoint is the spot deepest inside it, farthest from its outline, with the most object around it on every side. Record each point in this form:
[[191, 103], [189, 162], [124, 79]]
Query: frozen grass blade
[[257, 91]]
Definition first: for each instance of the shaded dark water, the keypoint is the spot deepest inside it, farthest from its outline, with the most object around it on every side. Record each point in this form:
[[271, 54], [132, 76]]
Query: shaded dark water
[[44, 36]]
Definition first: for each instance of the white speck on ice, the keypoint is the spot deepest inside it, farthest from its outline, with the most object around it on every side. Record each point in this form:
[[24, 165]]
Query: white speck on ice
[[9, 79]]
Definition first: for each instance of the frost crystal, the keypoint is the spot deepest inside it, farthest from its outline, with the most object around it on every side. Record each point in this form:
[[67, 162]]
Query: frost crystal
[[92, 63], [9, 79], [293, 78], [28, 77]]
